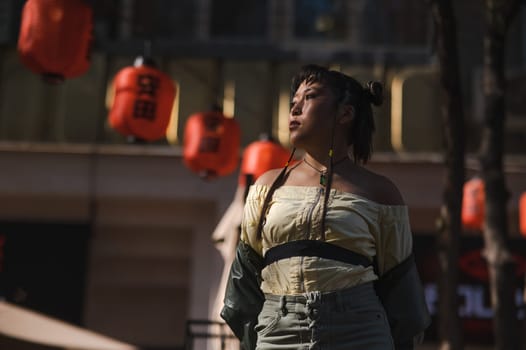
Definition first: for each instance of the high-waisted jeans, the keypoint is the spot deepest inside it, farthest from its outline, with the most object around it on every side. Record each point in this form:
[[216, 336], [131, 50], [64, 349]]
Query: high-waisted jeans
[[348, 319]]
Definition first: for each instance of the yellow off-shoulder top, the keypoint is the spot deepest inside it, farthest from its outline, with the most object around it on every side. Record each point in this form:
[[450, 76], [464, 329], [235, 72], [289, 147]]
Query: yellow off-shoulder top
[[352, 222]]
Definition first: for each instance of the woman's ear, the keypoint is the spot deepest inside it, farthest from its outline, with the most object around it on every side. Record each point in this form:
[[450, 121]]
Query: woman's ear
[[346, 114]]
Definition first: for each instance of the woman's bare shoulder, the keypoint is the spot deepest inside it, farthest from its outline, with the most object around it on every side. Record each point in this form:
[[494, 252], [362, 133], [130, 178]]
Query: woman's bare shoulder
[[268, 177], [383, 189]]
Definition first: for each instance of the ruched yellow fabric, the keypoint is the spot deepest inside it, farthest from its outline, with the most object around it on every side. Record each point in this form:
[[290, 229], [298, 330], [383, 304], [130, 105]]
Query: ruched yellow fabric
[[353, 222]]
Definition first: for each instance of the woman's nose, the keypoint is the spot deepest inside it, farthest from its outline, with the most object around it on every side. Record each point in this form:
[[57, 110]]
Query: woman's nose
[[296, 109]]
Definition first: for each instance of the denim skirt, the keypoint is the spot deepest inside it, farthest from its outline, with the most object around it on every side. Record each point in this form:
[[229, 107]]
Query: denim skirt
[[347, 319]]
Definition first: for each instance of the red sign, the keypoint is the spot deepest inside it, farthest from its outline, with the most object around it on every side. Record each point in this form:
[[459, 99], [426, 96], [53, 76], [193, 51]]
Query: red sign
[[475, 308]]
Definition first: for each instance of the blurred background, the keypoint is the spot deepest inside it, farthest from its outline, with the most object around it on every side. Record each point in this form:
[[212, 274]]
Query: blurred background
[[112, 232]]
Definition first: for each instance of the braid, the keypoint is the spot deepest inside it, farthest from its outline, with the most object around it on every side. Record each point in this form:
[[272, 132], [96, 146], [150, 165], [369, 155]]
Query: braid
[[277, 183], [327, 193]]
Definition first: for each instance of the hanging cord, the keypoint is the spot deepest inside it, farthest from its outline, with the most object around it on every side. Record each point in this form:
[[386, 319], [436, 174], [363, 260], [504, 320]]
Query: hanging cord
[[330, 170], [328, 183], [278, 182]]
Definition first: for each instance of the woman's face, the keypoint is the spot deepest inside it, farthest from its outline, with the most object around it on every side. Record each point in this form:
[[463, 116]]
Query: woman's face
[[311, 115]]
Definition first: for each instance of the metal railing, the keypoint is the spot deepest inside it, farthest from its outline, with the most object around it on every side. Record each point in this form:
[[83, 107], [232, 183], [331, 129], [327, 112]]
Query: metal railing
[[207, 330]]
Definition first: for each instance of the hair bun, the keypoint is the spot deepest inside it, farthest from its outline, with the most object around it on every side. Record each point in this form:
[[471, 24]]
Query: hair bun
[[374, 92]]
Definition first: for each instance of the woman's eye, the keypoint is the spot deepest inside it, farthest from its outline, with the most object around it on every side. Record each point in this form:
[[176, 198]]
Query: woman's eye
[[309, 96]]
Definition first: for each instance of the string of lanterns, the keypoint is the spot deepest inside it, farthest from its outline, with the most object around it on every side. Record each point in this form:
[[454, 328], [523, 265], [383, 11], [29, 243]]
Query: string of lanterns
[[55, 42]]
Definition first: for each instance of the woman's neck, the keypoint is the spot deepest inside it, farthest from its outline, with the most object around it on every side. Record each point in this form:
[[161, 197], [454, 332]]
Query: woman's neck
[[321, 160]]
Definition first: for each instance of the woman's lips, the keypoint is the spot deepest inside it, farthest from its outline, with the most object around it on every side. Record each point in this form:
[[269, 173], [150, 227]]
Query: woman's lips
[[293, 125]]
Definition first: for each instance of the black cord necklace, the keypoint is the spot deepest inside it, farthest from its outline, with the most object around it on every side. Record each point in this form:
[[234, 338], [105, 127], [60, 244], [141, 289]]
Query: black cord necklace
[[323, 173]]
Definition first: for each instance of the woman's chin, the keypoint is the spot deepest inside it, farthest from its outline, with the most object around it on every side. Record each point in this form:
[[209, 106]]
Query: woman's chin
[[294, 142]]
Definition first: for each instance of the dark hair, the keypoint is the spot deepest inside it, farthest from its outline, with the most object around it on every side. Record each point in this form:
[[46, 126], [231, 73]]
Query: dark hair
[[350, 92], [347, 91]]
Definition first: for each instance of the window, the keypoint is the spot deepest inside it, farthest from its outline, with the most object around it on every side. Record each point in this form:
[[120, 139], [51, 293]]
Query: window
[[160, 19], [363, 22], [396, 22], [239, 18], [320, 19]]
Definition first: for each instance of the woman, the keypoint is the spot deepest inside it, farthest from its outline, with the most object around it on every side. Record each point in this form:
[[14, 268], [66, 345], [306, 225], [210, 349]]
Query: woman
[[319, 233]]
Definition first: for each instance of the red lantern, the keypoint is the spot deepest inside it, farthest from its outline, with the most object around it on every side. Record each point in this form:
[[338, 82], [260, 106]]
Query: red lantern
[[261, 156], [211, 144], [55, 38], [143, 101], [473, 204], [522, 214]]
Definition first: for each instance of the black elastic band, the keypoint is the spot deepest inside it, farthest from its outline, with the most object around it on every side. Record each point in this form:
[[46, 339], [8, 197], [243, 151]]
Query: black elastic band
[[392, 276], [320, 249]]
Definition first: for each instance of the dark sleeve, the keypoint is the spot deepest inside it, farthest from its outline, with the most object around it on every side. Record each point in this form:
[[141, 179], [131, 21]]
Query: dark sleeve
[[401, 293], [243, 297]]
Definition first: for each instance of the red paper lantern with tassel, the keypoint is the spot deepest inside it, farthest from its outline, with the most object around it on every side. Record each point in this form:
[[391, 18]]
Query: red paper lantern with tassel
[[55, 38], [143, 101], [211, 144], [260, 156], [522, 214], [473, 204]]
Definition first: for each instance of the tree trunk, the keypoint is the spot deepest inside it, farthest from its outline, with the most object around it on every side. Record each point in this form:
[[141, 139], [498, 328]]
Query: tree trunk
[[499, 14], [449, 327]]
